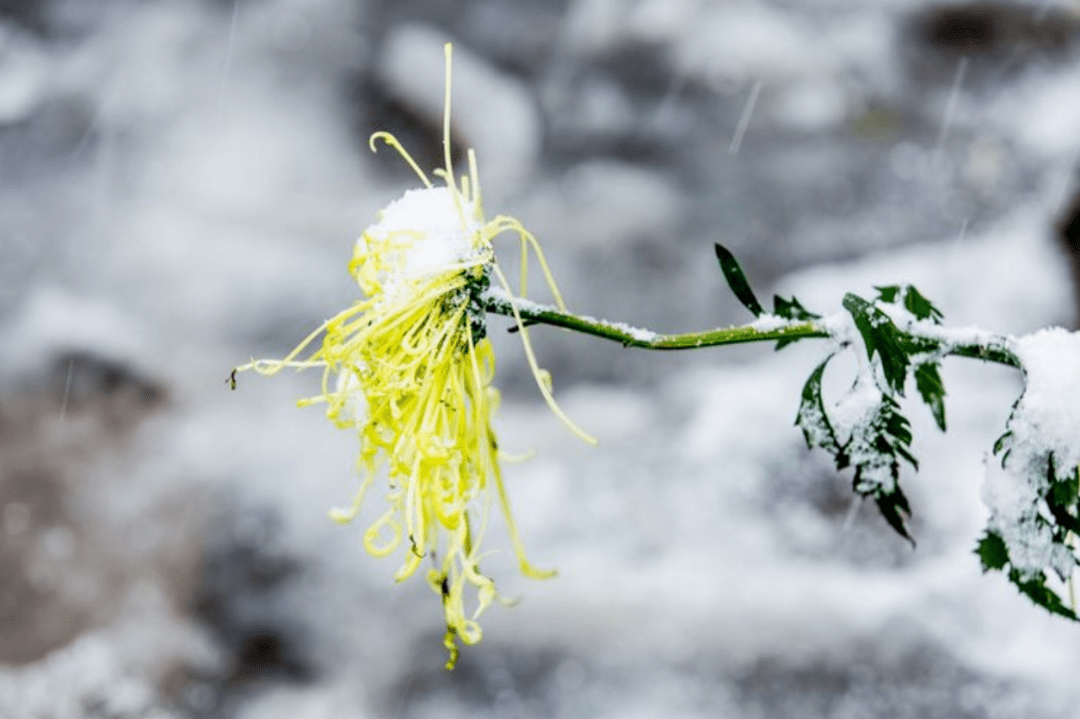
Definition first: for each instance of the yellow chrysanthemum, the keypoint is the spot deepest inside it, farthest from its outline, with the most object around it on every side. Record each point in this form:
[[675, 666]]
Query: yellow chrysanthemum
[[410, 369]]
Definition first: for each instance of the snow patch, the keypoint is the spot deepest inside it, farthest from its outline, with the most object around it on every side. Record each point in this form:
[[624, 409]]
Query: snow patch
[[429, 232], [1049, 412]]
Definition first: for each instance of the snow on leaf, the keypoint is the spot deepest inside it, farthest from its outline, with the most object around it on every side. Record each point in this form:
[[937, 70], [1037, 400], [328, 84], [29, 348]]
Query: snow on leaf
[[1032, 525], [877, 438], [1047, 417], [1036, 590], [1033, 494], [814, 421]]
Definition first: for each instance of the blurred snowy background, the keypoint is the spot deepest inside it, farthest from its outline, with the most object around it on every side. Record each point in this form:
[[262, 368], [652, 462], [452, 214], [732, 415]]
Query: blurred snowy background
[[181, 184]]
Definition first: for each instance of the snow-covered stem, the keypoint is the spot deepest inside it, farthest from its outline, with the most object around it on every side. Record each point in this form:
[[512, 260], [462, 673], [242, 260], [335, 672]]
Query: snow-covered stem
[[535, 313], [764, 329]]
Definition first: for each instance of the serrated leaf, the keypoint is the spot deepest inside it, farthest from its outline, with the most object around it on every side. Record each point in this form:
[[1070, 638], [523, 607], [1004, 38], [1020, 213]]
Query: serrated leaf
[[1037, 591], [896, 425], [907, 456], [999, 444], [888, 293], [922, 308], [736, 280], [881, 337], [785, 341], [876, 449], [812, 418], [1063, 494], [792, 309], [1063, 518], [932, 390], [1061, 497], [895, 509], [895, 434], [993, 554]]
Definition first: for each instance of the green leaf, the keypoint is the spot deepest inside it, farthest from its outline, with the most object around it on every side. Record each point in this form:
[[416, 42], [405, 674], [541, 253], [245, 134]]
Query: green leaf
[[913, 301], [785, 341], [993, 554], [932, 391], [908, 456], [875, 449], [895, 425], [1059, 488], [792, 309], [1037, 591], [921, 307], [895, 509], [1063, 494], [888, 294], [881, 337], [1061, 498], [736, 280], [814, 421], [1064, 518], [999, 444], [914, 345]]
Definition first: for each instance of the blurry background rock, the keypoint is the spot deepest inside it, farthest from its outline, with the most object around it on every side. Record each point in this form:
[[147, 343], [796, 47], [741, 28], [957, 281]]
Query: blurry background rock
[[181, 182]]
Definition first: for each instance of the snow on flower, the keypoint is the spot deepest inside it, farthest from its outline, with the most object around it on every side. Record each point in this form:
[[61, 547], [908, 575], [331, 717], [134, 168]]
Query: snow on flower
[[410, 370]]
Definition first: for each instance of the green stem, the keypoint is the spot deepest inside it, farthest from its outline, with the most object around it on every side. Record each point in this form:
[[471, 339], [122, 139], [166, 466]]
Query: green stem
[[992, 352], [533, 313]]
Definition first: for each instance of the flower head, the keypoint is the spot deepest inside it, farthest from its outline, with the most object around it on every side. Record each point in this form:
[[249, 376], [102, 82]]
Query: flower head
[[409, 369]]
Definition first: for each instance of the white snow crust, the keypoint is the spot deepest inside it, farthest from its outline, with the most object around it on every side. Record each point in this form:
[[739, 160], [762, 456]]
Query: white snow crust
[[1047, 418], [435, 232]]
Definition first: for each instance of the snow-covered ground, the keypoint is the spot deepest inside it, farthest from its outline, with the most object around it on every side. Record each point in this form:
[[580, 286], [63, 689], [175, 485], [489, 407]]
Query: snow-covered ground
[[181, 183]]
